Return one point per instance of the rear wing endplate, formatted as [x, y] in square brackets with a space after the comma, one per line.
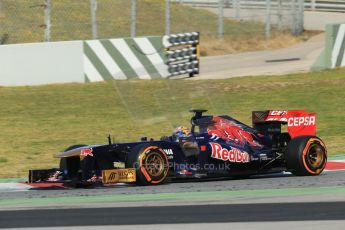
[299, 122]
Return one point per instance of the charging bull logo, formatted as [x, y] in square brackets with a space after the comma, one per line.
[86, 152]
[230, 131]
[232, 155]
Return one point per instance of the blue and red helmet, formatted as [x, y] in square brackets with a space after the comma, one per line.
[179, 132]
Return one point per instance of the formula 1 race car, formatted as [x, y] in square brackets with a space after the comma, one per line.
[215, 146]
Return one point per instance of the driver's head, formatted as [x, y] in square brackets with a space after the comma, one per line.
[179, 132]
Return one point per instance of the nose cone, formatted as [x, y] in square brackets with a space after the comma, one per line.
[82, 151]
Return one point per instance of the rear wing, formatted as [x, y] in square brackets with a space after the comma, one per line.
[299, 122]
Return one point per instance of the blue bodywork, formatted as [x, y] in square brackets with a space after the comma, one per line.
[218, 146]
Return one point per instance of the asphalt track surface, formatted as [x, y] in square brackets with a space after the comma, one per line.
[173, 215]
[273, 200]
[279, 181]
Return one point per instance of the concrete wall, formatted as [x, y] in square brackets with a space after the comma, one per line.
[41, 63]
[80, 61]
[333, 55]
[125, 58]
[83, 61]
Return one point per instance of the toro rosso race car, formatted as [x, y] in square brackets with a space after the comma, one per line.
[215, 146]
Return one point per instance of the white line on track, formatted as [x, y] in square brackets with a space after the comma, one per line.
[13, 186]
[282, 225]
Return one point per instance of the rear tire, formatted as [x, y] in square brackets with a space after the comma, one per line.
[151, 164]
[306, 156]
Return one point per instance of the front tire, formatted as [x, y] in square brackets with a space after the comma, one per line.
[306, 156]
[151, 164]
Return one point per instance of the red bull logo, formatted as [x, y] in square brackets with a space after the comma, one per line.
[232, 155]
[86, 152]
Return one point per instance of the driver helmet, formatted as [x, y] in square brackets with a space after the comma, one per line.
[179, 132]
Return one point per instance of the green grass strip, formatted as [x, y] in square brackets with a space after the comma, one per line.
[182, 196]
[9, 180]
[337, 157]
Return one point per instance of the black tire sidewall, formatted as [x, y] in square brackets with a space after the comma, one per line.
[134, 161]
[295, 159]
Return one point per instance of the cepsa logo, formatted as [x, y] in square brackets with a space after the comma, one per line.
[302, 121]
[232, 155]
[86, 152]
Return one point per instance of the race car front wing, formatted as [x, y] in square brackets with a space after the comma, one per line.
[109, 176]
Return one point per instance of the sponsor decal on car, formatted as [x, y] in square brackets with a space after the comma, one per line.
[277, 115]
[230, 131]
[263, 157]
[232, 155]
[169, 153]
[302, 121]
[277, 112]
[119, 165]
[86, 152]
[299, 122]
[118, 176]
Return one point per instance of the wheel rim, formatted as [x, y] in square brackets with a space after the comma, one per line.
[154, 164]
[315, 156]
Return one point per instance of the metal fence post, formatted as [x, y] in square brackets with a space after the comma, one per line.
[238, 9]
[93, 9]
[313, 5]
[133, 18]
[227, 4]
[268, 19]
[0, 8]
[221, 19]
[47, 23]
[280, 14]
[167, 17]
[300, 24]
[293, 17]
[1, 35]
[298, 10]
